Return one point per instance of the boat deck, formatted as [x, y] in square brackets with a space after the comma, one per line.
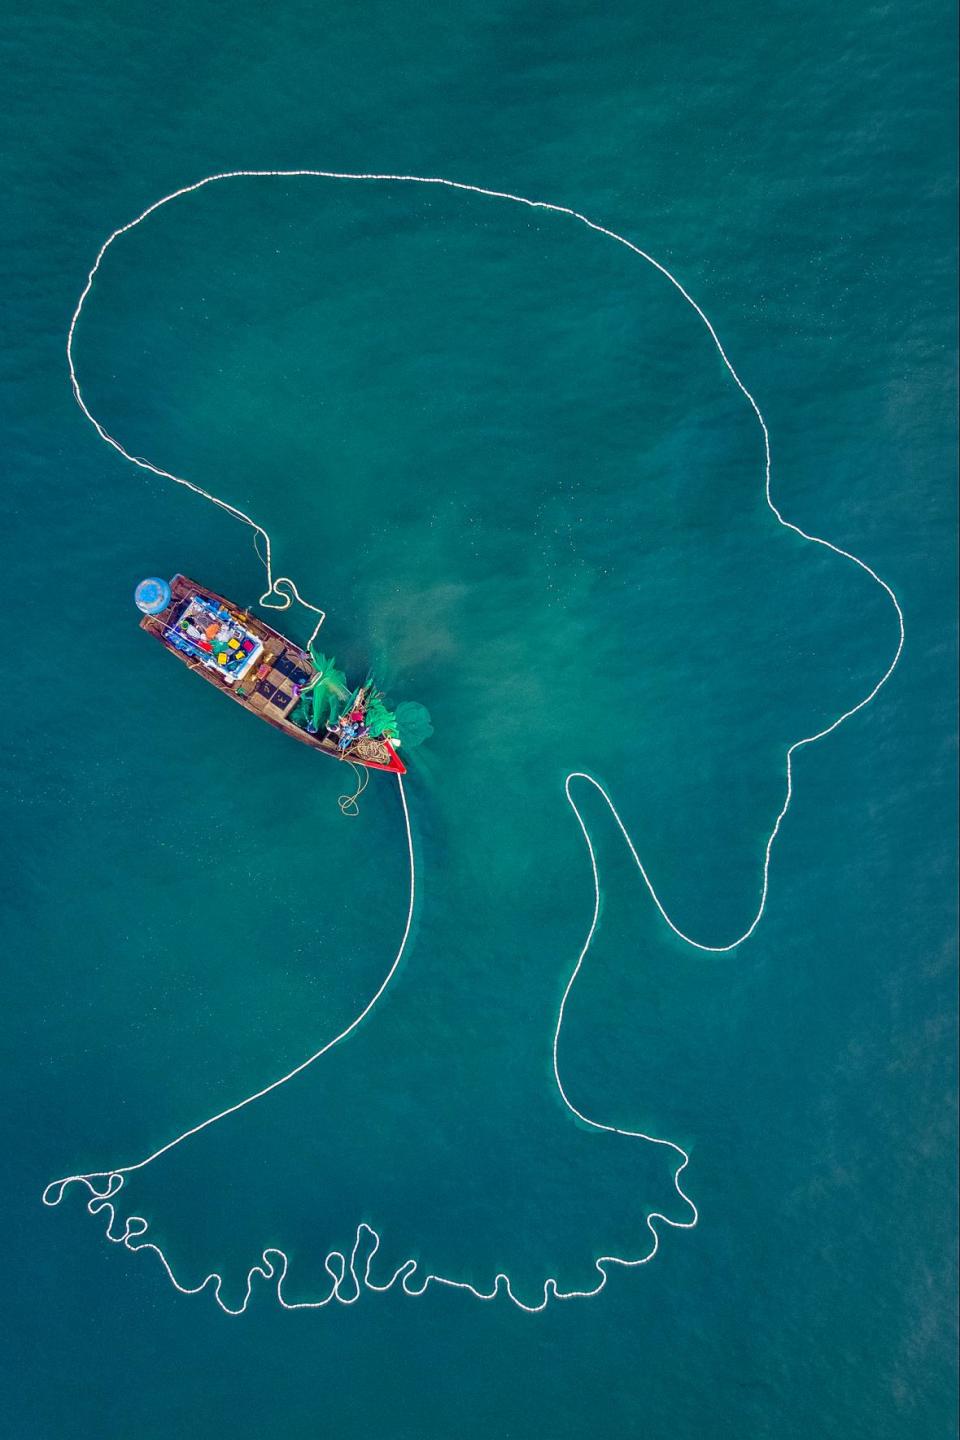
[267, 688]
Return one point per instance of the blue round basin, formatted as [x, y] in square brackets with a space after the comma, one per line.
[152, 595]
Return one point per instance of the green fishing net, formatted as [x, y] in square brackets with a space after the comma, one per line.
[327, 697]
[413, 723]
[378, 719]
[322, 700]
[329, 674]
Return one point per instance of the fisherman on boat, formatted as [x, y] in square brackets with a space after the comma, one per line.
[349, 734]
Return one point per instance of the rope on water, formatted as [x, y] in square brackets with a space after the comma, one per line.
[348, 1276]
[348, 803]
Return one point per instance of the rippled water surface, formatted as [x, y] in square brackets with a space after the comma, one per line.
[505, 456]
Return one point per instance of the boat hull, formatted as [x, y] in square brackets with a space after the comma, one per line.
[268, 691]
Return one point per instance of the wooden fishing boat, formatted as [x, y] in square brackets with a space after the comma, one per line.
[256, 667]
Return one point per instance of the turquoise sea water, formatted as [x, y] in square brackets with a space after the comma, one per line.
[505, 457]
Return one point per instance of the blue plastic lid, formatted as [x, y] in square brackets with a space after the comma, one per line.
[152, 595]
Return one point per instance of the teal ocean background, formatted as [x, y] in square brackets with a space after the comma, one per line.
[505, 457]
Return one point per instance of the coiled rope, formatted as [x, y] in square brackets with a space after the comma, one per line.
[348, 803]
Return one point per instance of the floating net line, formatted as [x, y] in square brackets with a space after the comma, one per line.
[349, 1276]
